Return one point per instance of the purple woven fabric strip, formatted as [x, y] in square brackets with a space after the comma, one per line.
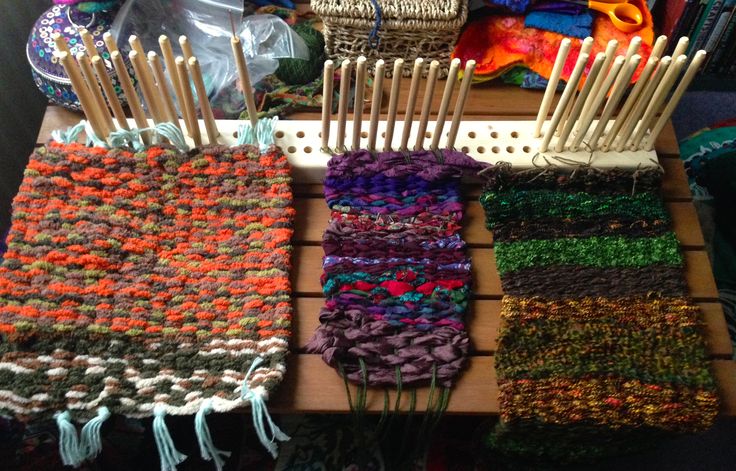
[396, 273]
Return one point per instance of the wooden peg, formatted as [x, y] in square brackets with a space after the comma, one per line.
[143, 74]
[327, 86]
[617, 93]
[110, 43]
[80, 89]
[100, 106]
[358, 101]
[60, 43]
[188, 102]
[445, 103]
[168, 53]
[186, 47]
[595, 103]
[618, 123]
[130, 94]
[411, 102]
[641, 103]
[595, 69]
[204, 101]
[434, 68]
[585, 48]
[554, 79]
[112, 98]
[658, 47]
[570, 88]
[89, 43]
[462, 98]
[342, 105]
[393, 104]
[681, 48]
[244, 76]
[687, 79]
[163, 89]
[136, 45]
[376, 101]
[634, 46]
[610, 53]
[658, 99]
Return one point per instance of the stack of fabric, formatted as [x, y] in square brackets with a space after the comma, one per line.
[600, 348]
[145, 284]
[397, 276]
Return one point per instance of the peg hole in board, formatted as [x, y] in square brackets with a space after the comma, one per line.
[291, 149]
[235, 134]
[364, 135]
[427, 135]
[465, 149]
[471, 135]
[494, 135]
[514, 134]
[279, 134]
[481, 150]
[308, 150]
[510, 149]
[526, 149]
[383, 134]
[320, 134]
[495, 149]
[300, 134]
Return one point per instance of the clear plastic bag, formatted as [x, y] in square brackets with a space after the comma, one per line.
[207, 24]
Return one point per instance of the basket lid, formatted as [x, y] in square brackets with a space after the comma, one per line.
[391, 9]
[66, 21]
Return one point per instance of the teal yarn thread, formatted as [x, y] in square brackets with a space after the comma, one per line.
[204, 438]
[92, 137]
[300, 71]
[245, 134]
[261, 417]
[70, 135]
[68, 442]
[91, 444]
[132, 137]
[172, 132]
[169, 455]
[263, 136]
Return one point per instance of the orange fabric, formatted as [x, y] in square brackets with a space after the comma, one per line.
[498, 43]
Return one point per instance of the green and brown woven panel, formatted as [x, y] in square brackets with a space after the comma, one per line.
[600, 349]
[146, 283]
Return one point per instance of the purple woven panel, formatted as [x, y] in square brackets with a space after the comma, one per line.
[396, 273]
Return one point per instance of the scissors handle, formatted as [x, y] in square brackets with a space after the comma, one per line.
[624, 16]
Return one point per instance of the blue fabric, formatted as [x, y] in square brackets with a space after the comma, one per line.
[577, 26]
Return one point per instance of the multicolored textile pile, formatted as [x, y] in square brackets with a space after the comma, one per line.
[144, 284]
[600, 346]
[397, 276]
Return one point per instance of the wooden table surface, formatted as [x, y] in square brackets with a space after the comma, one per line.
[312, 386]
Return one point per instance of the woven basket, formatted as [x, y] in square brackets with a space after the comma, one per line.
[408, 29]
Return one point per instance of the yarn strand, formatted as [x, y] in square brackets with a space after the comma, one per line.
[168, 454]
[206, 445]
[69, 449]
[91, 442]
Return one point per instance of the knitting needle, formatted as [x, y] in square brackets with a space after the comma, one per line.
[81, 90]
[445, 103]
[411, 102]
[168, 103]
[112, 96]
[327, 85]
[204, 101]
[617, 93]
[646, 95]
[657, 100]
[393, 104]
[99, 100]
[462, 98]
[193, 127]
[244, 76]
[630, 102]
[131, 96]
[597, 89]
[570, 88]
[585, 48]
[60, 43]
[89, 43]
[595, 69]
[168, 53]
[587, 120]
[658, 47]
[143, 74]
[358, 101]
[434, 68]
[376, 101]
[112, 46]
[687, 79]
[186, 47]
[342, 104]
[554, 79]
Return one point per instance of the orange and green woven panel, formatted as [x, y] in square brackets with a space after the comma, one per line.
[600, 349]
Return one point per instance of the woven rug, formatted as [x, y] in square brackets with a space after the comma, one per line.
[144, 284]
[396, 273]
[600, 349]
